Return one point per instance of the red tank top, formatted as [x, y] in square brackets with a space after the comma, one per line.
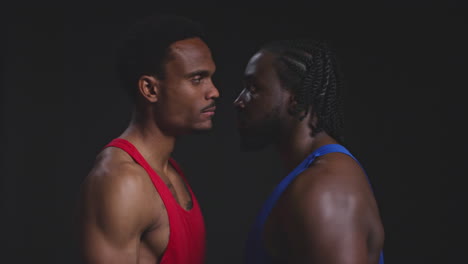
[187, 229]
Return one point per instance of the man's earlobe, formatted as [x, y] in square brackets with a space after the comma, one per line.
[295, 109]
[148, 86]
[292, 105]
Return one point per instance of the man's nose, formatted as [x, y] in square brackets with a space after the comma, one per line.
[240, 102]
[213, 92]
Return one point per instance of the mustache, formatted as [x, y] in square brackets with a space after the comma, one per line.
[213, 104]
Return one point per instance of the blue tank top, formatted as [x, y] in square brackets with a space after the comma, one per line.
[255, 250]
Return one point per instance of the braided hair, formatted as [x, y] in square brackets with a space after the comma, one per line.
[308, 68]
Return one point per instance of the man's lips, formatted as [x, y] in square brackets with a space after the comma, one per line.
[211, 109]
[241, 120]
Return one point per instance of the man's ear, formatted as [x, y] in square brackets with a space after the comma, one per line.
[294, 108]
[292, 104]
[148, 86]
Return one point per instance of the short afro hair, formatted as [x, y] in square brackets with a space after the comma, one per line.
[144, 48]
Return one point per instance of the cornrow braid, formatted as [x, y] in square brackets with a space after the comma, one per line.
[308, 68]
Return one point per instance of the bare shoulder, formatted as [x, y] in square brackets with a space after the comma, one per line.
[114, 170]
[333, 213]
[334, 185]
[117, 186]
[334, 173]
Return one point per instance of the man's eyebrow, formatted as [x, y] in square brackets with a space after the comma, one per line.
[202, 73]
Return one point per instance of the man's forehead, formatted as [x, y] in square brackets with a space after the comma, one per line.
[189, 48]
[259, 63]
[191, 55]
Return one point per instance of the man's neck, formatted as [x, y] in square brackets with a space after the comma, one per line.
[151, 142]
[298, 144]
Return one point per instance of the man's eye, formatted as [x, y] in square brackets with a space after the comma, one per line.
[197, 80]
[251, 89]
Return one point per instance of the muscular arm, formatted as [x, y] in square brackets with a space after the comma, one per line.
[112, 217]
[328, 226]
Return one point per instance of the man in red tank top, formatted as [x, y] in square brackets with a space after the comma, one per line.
[136, 205]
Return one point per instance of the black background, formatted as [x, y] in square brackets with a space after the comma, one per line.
[405, 65]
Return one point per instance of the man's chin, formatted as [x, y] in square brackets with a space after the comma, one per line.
[202, 129]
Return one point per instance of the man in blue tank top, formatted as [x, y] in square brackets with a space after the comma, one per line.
[324, 211]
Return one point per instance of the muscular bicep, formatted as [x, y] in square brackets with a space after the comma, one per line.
[111, 220]
[329, 229]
